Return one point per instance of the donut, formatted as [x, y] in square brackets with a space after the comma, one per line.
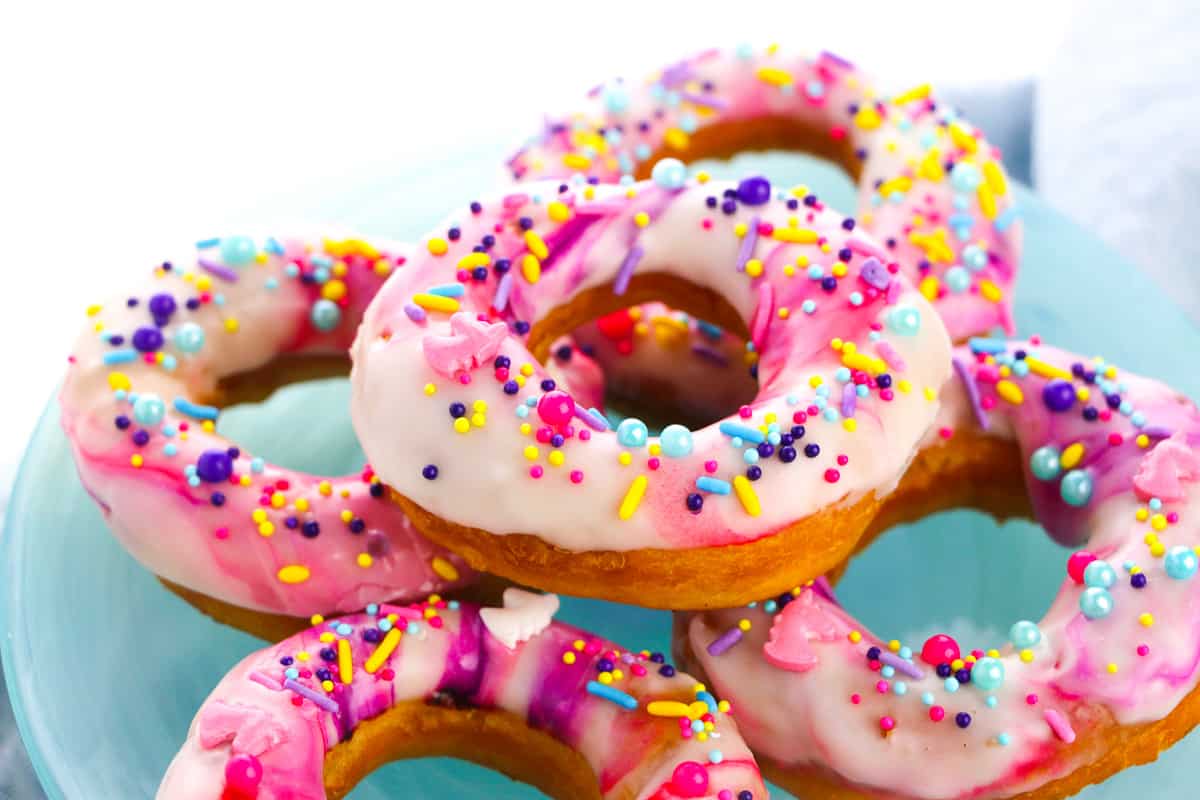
[540, 491]
[1107, 462]
[227, 323]
[930, 186]
[542, 701]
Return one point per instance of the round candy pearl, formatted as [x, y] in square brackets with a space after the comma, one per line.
[1024, 634]
[214, 466]
[939, 649]
[243, 773]
[1076, 488]
[988, 674]
[957, 279]
[1095, 603]
[904, 320]
[669, 173]
[149, 409]
[974, 257]
[754, 191]
[325, 315]
[1180, 562]
[147, 339]
[632, 432]
[690, 779]
[1077, 563]
[237, 251]
[965, 177]
[616, 97]
[556, 407]
[190, 337]
[1058, 395]
[1100, 575]
[162, 305]
[1044, 463]
[676, 441]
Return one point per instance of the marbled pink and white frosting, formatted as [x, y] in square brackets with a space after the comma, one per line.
[646, 730]
[850, 356]
[1112, 464]
[191, 505]
[931, 187]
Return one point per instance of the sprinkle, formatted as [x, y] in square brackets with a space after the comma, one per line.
[774, 76]
[795, 235]
[849, 399]
[414, 312]
[383, 651]
[612, 694]
[964, 374]
[762, 315]
[448, 290]
[122, 356]
[749, 434]
[707, 483]
[1042, 369]
[704, 101]
[725, 641]
[745, 493]
[1010, 392]
[433, 302]
[916, 93]
[444, 569]
[592, 418]
[264, 680]
[1005, 219]
[746, 248]
[625, 272]
[901, 665]
[994, 176]
[293, 573]
[318, 700]
[503, 287]
[471, 261]
[217, 270]
[980, 344]
[990, 291]
[668, 708]
[633, 497]
[345, 663]
[185, 406]
[889, 354]
[531, 268]
[536, 245]
[1059, 725]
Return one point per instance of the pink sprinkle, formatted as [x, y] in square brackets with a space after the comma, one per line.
[706, 223]
[886, 724]
[585, 435]
[887, 395]
[1059, 725]
[1143, 650]
[882, 687]
[745, 412]
[536, 471]
[710, 467]
[937, 713]
[1116, 439]
[843, 460]
[832, 475]
[1031, 699]
[653, 462]
[799, 418]
[576, 476]
[1173, 517]
[222, 532]
[435, 622]
[638, 670]
[464, 379]
[945, 432]
[856, 698]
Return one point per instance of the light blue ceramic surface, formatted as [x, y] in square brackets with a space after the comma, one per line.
[106, 668]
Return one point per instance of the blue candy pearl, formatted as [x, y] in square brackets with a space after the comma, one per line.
[974, 257]
[237, 251]
[1095, 603]
[904, 320]
[958, 279]
[1024, 634]
[632, 432]
[616, 98]
[149, 409]
[190, 337]
[325, 315]
[669, 173]
[988, 674]
[1044, 463]
[1180, 562]
[676, 441]
[965, 177]
[1076, 488]
[1099, 574]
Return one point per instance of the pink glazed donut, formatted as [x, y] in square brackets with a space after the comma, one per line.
[507, 687]
[931, 187]
[1104, 681]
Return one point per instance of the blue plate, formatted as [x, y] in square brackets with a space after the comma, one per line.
[106, 668]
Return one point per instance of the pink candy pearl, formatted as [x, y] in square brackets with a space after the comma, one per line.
[556, 408]
[939, 649]
[243, 773]
[690, 779]
[1077, 563]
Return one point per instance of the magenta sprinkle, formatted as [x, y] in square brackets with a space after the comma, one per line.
[415, 312]
[964, 374]
[500, 301]
[836, 59]
[318, 699]
[218, 270]
[900, 665]
[725, 641]
[890, 355]
[704, 100]
[1058, 723]
[265, 680]
[747, 247]
[849, 399]
[626, 271]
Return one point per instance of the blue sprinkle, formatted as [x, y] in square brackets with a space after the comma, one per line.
[448, 290]
[707, 483]
[372, 608]
[185, 406]
[273, 247]
[123, 356]
[1005, 219]
[612, 694]
[989, 346]
[709, 701]
[744, 432]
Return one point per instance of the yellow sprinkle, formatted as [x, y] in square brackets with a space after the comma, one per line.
[383, 651]
[855, 637]
[559, 211]
[473, 260]
[461, 425]
[930, 286]
[556, 458]
[266, 530]
[667, 708]
[723, 706]
[430, 389]
[1071, 456]
[94, 309]
[605, 677]
[526, 429]
[1146, 620]
[963, 139]
[864, 362]
[850, 424]
[136, 460]
[438, 246]
[576, 161]
[676, 139]
[745, 493]
[444, 569]
[993, 653]
[1112, 668]
[568, 657]
[995, 178]
[293, 573]
[1026, 656]
[325, 488]
[365, 560]
[633, 497]
[346, 515]
[345, 664]
[868, 118]
[916, 93]
[1143, 441]
[1010, 392]
[754, 268]
[774, 76]
[625, 459]
[641, 219]
[987, 200]
[901, 184]
[316, 619]
[931, 168]
[435, 302]
[333, 290]
[795, 235]
[784, 313]
[531, 452]
[1042, 369]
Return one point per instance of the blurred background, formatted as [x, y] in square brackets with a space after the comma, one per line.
[129, 128]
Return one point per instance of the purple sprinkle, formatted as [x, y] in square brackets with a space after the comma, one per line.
[676, 74]
[415, 312]
[264, 680]
[849, 399]
[964, 374]
[1157, 432]
[592, 418]
[318, 699]
[747, 247]
[626, 271]
[704, 100]
[500, 301]
[836, 59]
[875, 273]
[901, 665]
[725, 641]
[715, 356]
[219, 270]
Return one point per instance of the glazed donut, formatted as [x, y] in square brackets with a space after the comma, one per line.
[540, 491]
[224, 324]
[508, 688]
[931, 187]
[1106, 680]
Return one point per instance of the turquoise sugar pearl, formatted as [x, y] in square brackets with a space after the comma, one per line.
[325, 315]
[965, 177]
[1076, 488]
[632, 432]
[988, 674]
[1099, 574]
[1024, 634]
[1044, 463]
[958, 279]
[190, 337]
[149, 409]
[1180, 562]
[1095, 603]
[669, 173]
[904, 320]
[237, 251]
[974, 257]
[676, 441]
[616, 97]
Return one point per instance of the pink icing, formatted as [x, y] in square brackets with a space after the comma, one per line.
[469, 346]
[1163, 472]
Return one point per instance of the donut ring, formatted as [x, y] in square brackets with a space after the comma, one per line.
[1106, 680]
[573, 513]
[508, 688]
[931, 187]
[226, 324]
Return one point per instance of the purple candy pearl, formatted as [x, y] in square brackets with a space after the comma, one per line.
[147, 339]
[1058, 395]
[754, 191]
[214, 466]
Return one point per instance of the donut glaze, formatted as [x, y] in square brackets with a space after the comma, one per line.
[931, 187]
[849, 359]
[140, 408]
[1111, 463]
[275, 726]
